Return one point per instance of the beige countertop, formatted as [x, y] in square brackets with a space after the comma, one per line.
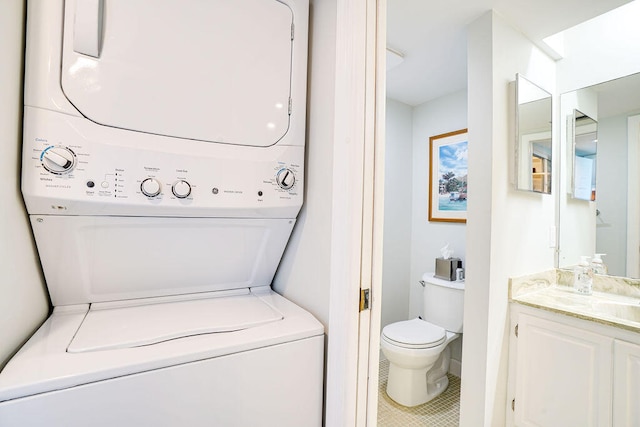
[615, 300]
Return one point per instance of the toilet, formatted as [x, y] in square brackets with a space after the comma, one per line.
[418, 349]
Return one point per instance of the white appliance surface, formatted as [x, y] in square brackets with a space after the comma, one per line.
[197, 109]
[163, 170]
[125, 324]
[44, 364]
[90, 259]
[267, 387]
[110, 165]
[266, 376]
[121, 212]
[246, 70]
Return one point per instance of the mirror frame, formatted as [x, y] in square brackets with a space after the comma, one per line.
[524, 172]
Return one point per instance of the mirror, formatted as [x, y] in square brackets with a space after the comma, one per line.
[585, 141]
[533, 137]
[609, 113]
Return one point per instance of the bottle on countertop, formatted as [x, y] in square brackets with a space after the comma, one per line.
[583, 277]
[597, 265]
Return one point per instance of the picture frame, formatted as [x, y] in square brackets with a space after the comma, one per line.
[448, 168]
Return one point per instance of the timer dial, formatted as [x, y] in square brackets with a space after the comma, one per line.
[150, 187]
[285, 178]
[58, 160]
[181, 189]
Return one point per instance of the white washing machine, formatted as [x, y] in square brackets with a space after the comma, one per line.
[163, 172]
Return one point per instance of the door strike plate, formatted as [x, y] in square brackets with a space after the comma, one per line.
[364, 299]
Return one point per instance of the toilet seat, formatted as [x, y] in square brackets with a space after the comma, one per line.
[415, 334]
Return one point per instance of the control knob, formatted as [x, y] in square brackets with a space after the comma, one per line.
[150, 187]
[58, 160]
[285, 178]
[181, 189]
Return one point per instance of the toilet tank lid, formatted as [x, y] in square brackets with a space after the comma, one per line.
[430, 278]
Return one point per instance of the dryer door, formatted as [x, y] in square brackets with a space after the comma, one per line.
[204, 70]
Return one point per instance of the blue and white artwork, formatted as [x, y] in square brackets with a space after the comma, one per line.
[448, 155]
[452, 172]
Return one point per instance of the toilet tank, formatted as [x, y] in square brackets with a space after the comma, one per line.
[443, 302]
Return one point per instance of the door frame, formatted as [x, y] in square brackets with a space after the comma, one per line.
[356, 231]
[373, 214]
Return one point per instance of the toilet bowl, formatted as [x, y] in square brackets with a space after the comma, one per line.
[419, 358]
[418, 349]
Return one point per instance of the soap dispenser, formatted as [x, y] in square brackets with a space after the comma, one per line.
[597, 265]
[583, 277]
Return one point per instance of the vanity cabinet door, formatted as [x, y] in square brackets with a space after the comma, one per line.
[626, 384]
[563, 375]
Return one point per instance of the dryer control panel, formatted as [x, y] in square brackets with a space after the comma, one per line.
[141, 174]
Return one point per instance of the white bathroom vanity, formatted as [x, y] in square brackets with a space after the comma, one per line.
[574, 360]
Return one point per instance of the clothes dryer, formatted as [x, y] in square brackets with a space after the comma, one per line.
[163, 170]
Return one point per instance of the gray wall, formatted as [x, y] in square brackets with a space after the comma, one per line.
[397, 213]
[304, 272]
[611, 193]
[24, 303]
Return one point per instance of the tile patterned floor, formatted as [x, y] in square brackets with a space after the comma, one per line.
[443, 411]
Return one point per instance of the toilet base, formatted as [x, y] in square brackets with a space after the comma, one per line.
[413, 387]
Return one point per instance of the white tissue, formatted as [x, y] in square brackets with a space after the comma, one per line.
[446, 252]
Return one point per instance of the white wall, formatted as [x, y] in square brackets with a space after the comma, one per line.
[397, 212]
[441, 115]
[507, 230]
[24, 303]
[304, 272]
[611, 193]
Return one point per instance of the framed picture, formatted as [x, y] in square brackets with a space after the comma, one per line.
[448, 177]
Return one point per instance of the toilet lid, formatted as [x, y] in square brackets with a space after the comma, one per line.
[415, 333]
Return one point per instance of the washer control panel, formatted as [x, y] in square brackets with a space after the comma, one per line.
[65, 174]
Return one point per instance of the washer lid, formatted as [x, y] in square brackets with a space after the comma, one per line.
[230, 70]
[415, 333]
[143, 322]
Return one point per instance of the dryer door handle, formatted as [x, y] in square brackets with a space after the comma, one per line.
[87, 27]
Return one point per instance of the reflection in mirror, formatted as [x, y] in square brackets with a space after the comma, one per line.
[533, 137]
[611, 224]
[585, 140]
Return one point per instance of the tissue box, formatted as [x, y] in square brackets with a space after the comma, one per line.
[446, 268]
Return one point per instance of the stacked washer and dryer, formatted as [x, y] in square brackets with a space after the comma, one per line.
[163, 172]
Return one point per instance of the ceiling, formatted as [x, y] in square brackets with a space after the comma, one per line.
[431, 34]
